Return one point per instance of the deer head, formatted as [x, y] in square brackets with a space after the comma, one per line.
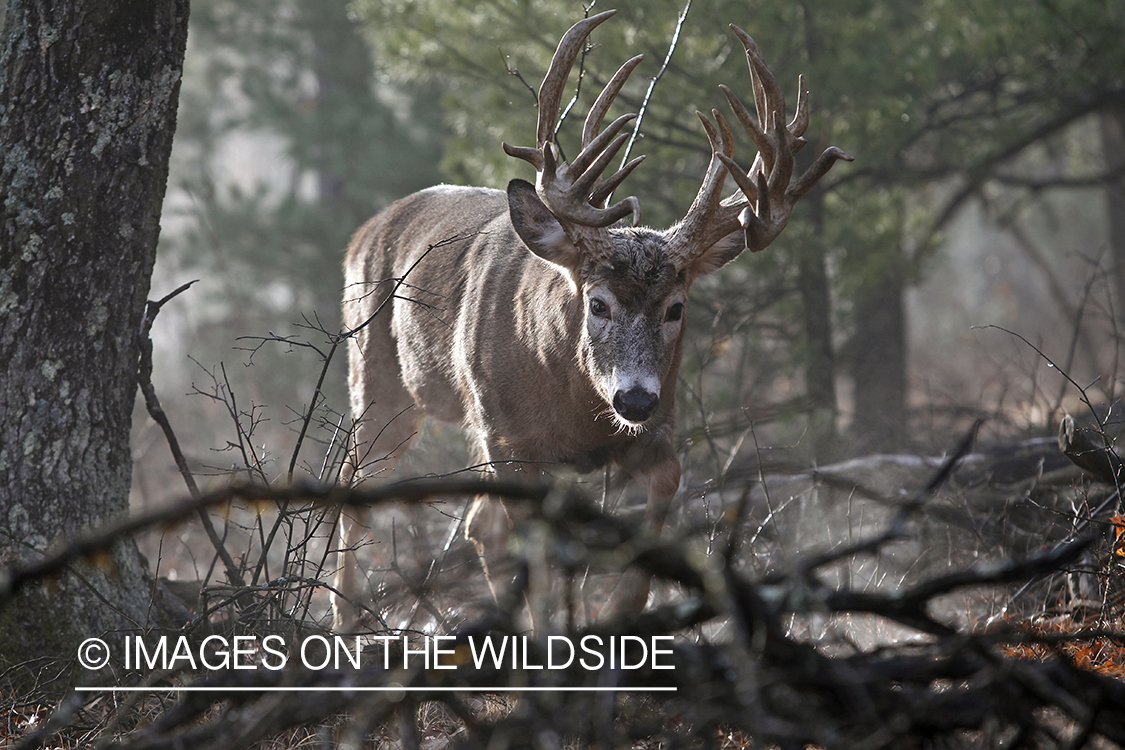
[633, 282]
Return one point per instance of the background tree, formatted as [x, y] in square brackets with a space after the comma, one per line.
[88, 94]
[1113, 145]
[298, 76]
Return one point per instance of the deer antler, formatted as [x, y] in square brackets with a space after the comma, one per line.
[766, 196]
[575, 193]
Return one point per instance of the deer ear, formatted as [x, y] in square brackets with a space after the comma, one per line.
[718, 255]
[539, 229]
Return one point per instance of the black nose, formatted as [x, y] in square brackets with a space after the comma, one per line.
[635, 404]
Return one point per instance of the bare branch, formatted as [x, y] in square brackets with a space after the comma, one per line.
[156, 411]
[653, 81]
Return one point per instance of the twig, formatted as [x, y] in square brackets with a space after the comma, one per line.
[1075, 335]
[909, 606]
[1050, 363]
[652, 87]
[156, 411]
[516, 72]
[897, 528]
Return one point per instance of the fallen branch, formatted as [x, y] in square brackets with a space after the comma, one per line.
[1098, 459]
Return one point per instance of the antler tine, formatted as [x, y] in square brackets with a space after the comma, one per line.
[819, 168]
[768, 96]
[800, 122]
[605, 99]
[722, 144]
[600, 145]
[605, 189]
[593, 160]
[748, 187]
[747, 120]
[586, 180]
[533, 156]
[551, 90]
[756, 225]
[783, 156]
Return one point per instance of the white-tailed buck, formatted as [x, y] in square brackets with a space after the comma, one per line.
[532, 318]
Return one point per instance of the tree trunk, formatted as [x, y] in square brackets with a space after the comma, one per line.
[1113, 145]
[814, 287]
[879, 358]
[88, 94]
[820, 360]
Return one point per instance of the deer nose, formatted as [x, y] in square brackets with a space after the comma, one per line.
[635, 404]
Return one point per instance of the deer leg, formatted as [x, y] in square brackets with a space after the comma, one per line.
[488, 526]
[631, 592]
[345, 614]
[344, 583]
[383, 430]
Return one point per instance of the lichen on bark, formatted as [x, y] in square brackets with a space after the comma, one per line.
[88, 93]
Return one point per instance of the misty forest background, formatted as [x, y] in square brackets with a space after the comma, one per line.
[987, 199]
[987, 191]
[968, 266]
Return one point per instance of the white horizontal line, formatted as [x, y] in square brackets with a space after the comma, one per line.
[362, 689]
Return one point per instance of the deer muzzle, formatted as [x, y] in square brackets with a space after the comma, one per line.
[636, 404]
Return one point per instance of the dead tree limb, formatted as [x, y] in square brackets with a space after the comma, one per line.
[1094, 457]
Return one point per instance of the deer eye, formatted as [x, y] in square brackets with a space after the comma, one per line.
[598, 308]
[675, 312]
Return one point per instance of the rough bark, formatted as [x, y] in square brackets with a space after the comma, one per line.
[88, 94]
